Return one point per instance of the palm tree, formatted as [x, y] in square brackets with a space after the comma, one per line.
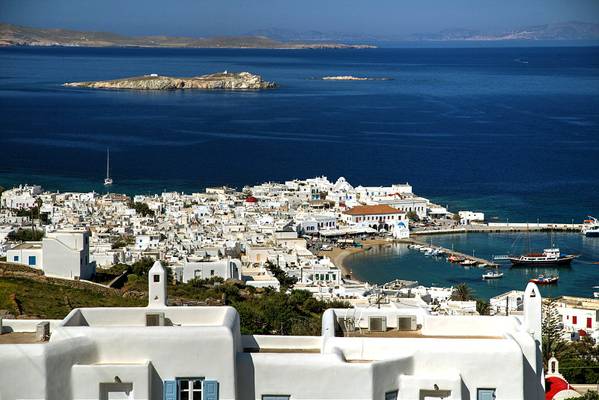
[482, 307]
[462, 292]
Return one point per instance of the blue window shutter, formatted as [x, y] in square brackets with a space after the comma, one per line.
[170, 390]
[210, 390]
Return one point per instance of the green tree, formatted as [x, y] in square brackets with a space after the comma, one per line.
[579, 362]
[552, 332]
[462, 292]
[142, 208]
[26, 235]
[123, 241]
[142, 267]
[590, 395]
[413, 216]
[483, 307]
[285, 280]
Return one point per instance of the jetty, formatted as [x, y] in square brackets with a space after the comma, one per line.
[450, 252]
[492, 227]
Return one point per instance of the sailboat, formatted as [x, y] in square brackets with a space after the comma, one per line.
[108, 179]
[549, 257]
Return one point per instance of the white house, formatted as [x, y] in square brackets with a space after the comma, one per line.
[66, 255]
[227, 268]
[468, 217]
[377, 216]
[507, 303]
[61, 254]
[28, 253]
[147, 242]
[21, 197]
[579, 313]
[173, 353]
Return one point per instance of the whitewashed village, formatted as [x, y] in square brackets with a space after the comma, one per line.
[298, 227]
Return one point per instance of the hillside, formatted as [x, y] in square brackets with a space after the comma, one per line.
[14, 35]
[26, 293]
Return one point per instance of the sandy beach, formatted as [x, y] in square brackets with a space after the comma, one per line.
[338, 255]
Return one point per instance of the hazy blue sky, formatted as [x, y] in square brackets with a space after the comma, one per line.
[228, 17]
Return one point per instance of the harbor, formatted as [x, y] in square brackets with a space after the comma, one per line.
[382, 264]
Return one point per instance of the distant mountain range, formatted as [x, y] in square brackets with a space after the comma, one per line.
[14, 35]
[572, 30]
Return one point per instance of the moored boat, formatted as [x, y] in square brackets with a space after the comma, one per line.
[455, 259]
[590, 227]
[547, 257]
[493, 275]
[544, 280]
[468, 263]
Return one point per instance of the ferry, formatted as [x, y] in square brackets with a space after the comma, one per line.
[548, 257]
[493, 275]
[590, 227]
[543, 280]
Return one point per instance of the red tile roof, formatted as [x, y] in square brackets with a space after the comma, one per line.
[373, 210]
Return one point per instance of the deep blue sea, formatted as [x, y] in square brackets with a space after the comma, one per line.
[513, 132]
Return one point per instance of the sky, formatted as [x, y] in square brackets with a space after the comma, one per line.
[234, 17]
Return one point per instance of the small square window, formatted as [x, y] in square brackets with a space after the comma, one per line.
[156, 278]
[391, 395]
[485, 394]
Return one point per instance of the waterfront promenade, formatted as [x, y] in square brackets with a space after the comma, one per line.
[498, 227]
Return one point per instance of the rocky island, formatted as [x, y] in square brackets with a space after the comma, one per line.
[218, 81]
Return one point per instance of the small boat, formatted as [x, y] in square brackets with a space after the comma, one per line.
[414, 246]
[596, 294]
[493, 275]
[544, 280]
[468, 263]
[590, 227]
[547, 257]
[455, 259]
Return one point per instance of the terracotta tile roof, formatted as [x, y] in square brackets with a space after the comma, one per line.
[373, 210]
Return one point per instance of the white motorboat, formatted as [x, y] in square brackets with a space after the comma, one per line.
[493, 275]
[590, 227]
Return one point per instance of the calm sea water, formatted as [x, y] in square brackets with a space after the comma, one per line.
[385, 263]
[509, 131]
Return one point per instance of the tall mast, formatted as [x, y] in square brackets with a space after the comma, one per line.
[107, 163]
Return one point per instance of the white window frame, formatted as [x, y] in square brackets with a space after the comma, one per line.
[194, 392]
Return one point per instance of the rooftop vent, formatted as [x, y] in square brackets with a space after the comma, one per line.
[155, 319]
[406, 323]
[42, 331]
[377, 324]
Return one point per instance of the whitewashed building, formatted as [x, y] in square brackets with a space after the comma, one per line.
[192, 353]
[579, 313]
[227, 268]
[61, 254]
[376, 217]
[21, 197]
[468, 217]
